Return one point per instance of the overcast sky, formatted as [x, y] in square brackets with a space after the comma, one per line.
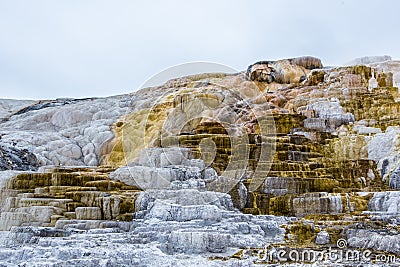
[82, 48]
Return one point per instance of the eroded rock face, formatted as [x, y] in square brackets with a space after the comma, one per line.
[189, 221]
[188, 175]
[12, 158]
[261, 72]
[283, 71]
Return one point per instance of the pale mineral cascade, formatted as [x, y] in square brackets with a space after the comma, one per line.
[207, 170]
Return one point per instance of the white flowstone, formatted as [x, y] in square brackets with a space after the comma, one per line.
[63, 132]
[327, 115]
[392, 66]
[372, 83]
[77, 248]
[10, 219]
[366, 130]
[329, 110]
[88, 213]
[372, 239]
[322, 238]
[68, 117]
[71, 151]
[90, 160]
[384, 148]
[384, 144]
[168, 212]
[185, 197]
[197, 242]
[161, 157]
[316, 203]
[5, 176]
[145, 177]
[88, 149]
[40, 213]
[387, 202]
[158, 168]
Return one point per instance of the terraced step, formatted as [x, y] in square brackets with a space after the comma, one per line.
[298, 174]
[29, 202]
[65, 190]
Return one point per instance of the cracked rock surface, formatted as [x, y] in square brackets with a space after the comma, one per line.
[175, 175]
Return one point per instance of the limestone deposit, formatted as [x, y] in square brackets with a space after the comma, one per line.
[207, 170]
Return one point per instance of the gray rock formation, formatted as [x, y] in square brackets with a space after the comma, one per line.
[283, 71]
[176, 191]
[188, 226]
[12, 158]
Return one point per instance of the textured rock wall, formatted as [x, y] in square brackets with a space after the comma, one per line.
[324, 130]
[64, 132]
[189, 169]
[44, 198]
